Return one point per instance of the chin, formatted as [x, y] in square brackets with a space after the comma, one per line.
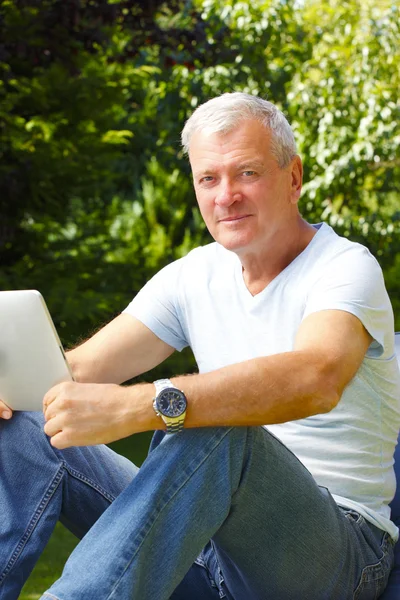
[234, 243]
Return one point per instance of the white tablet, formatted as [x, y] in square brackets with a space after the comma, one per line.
[32, 359]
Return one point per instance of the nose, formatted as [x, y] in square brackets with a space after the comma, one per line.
[227, 194]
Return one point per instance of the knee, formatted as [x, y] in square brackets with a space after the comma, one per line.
[229, 444]
[23, 435]
[197, 436]
[23, 423]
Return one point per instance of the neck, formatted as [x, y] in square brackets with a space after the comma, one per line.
[260, 268]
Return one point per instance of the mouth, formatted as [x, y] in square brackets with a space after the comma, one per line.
[233, 219]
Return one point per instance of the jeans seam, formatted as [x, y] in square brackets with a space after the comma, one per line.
[158, 511]
[375, 567]
[221, 579]
[33, 522]
[90, 482]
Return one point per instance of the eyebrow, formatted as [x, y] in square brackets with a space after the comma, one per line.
[244, 166]
[204, 172]
[254, 164]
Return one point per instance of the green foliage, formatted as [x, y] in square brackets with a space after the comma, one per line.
[90, 266]
[95, 192]
[348, 101]
[344, 107]
[71, 85]
[84, 206]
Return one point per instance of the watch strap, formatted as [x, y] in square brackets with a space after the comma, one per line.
[162, 384]
[173, 424]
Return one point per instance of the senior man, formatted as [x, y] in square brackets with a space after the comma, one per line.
[270, 473]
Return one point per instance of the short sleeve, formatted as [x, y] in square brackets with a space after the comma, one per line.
[157, 306]
[353, 282]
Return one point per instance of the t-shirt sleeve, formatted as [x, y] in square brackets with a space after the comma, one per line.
[156, 306]
[354, 282]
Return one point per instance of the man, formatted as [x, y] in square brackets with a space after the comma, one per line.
[292, 329]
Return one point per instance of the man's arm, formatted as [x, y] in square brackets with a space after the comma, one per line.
[329, 348]
[119, 351]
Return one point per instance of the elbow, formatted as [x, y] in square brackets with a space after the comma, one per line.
[326, 403]
[326, 390]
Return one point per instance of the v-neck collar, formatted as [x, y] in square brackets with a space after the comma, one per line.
[239, 269]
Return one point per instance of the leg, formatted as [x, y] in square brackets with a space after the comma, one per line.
[39, 485]
[274, 532]
[285, 538]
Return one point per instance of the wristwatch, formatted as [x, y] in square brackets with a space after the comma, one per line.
[170, 404]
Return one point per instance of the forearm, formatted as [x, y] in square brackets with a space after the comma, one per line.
[264, 390]
[260, 391]
[120, 351]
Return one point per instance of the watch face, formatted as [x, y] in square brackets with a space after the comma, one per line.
[171, 402]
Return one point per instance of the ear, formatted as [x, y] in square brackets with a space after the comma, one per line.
[296, 169]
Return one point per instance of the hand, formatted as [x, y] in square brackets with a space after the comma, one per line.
[84, 414]
[5, 411]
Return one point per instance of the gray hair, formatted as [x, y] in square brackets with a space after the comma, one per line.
[223, 113]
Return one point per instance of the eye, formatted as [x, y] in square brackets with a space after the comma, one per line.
[248, 173]
[206, 180]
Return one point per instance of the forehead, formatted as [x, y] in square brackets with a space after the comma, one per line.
[250, 140]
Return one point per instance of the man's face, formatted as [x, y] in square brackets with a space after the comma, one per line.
[245, 198]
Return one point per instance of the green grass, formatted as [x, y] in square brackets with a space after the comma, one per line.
[50, 565]
[62, 542]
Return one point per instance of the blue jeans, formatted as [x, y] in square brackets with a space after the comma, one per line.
[212, 513]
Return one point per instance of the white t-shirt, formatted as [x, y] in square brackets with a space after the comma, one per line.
[202, 301]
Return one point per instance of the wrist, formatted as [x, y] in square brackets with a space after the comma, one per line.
[170, 404]
[137, 408]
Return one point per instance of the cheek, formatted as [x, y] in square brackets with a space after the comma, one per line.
[205, 204]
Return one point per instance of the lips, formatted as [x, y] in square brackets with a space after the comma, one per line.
[233, 218]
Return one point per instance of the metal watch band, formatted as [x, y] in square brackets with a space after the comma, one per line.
[173, 425]
[162, 384]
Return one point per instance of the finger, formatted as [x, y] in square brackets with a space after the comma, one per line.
[60, 405]
[50, 396]
[60, 441]
[52, 427]
[62, 389]
[5, 411]
[50, 411]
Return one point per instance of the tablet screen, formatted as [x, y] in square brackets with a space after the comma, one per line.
[32, 358]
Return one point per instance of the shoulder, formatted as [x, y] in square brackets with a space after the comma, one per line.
[346, 276]
[335, 253]
[187, 271]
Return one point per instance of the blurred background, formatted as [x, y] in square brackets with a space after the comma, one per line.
[95, 192]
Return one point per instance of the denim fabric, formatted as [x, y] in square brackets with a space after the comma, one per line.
[213, 513]
[40, 485]
[200, 583]
[392, 592]
[374, 577]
